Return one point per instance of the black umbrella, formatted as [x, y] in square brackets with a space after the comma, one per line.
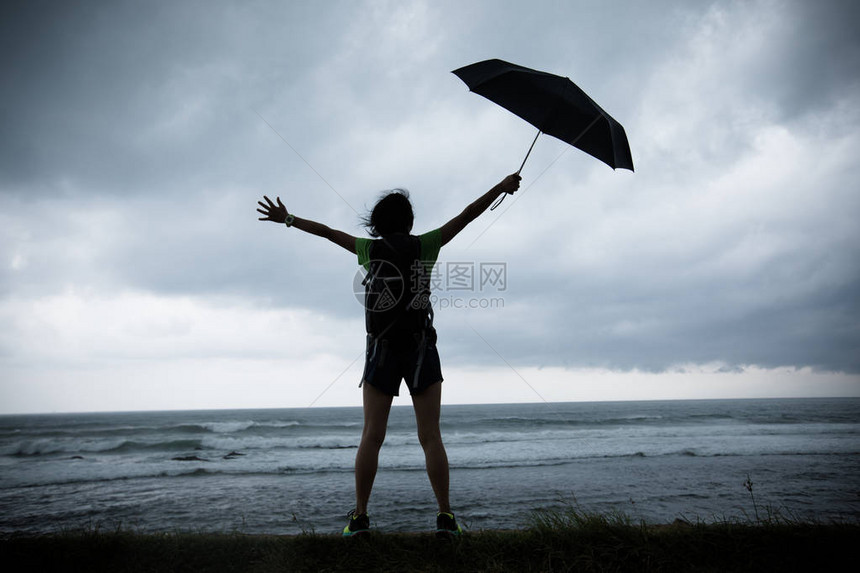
[554, 105]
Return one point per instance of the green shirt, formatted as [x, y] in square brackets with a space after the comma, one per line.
[431, 243]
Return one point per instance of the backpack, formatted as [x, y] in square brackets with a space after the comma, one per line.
[397, 289]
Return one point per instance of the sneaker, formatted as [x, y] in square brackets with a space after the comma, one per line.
[358, 524]
[447, 526]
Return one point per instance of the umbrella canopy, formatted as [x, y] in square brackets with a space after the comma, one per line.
[554, 105]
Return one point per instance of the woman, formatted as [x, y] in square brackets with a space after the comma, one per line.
[401, 339]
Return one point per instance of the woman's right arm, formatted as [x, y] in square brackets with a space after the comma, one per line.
[450, 229]
[337, 237]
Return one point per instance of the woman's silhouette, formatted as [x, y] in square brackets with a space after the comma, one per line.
[401, 339]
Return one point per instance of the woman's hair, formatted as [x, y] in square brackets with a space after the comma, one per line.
[391, 214]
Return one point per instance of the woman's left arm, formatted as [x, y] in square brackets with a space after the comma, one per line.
[278, 214]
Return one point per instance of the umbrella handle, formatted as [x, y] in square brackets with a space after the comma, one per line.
[529, 152]
[498, 201]
[502, 198]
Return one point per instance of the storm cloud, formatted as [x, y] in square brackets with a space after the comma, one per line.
[137, 138]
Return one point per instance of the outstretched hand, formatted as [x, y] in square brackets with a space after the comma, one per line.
[511, 183]
[275, 213]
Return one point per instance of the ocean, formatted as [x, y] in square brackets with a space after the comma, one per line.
[290, 470]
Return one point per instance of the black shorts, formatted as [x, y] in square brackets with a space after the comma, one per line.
[390, 360]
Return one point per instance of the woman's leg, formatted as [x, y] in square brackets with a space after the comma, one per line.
[377, 404]
[427, 410]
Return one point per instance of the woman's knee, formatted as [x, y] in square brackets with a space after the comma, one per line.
[373, 437]
[430, 437]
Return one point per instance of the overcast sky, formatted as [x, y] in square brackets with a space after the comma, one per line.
[138, 136]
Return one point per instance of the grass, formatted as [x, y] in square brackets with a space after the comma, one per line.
[566, 540]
